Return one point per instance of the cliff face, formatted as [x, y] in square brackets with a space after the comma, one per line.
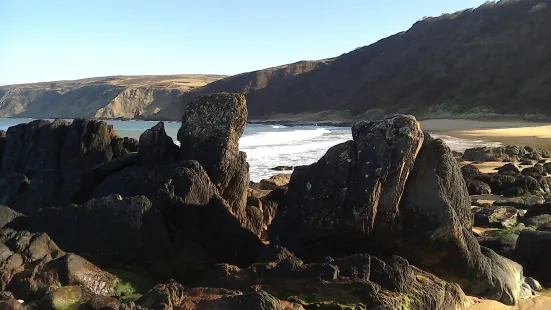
[109, 97]
[478, 62]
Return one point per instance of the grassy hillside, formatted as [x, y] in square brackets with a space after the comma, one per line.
[494, 60]
[109, 97]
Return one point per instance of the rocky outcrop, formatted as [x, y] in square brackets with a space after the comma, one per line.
[47, 162]
[156, 147]
[361, 197]
[210, 132]
[359, 279]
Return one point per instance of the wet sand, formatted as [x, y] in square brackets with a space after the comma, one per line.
[508, 133]
[537, 303]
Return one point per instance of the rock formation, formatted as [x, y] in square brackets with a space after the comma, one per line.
[392, 190]
[210, 132]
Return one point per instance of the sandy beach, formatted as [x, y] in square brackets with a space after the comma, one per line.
[507, 132]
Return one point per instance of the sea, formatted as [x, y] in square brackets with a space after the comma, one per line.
[268, 146]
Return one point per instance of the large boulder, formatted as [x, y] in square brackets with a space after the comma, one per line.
[380, 195]
[476, 187]
[350, 196]
[210, 132]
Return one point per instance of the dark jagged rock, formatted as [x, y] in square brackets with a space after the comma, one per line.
[87, 144]
[210, 132]
[436, 227]
[331, 207]
[495, 216]
[48, 162]
[533, 249]
[335, 205]
[185, 182]
[7, 215]
[358, 279]
[156, 147]
[113, 228]
[476, 187]
[192, 208]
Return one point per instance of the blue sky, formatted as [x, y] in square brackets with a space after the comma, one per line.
[45, 40]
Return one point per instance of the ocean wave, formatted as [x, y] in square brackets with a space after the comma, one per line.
[280, 137]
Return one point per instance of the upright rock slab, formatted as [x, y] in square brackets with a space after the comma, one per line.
[156, 147]
[347, 202]
[210, 132]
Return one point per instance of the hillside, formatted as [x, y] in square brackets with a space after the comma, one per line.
[490, 61]
[107, 97]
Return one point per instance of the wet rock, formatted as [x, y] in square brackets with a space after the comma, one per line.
[495, 216]
[210, 132]
[476, 187]
[532, 249]
[156, 147]
[7, 215]
[538, 209]
[523, 202]
[547, 167]
[282, 168]
[330, 209]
